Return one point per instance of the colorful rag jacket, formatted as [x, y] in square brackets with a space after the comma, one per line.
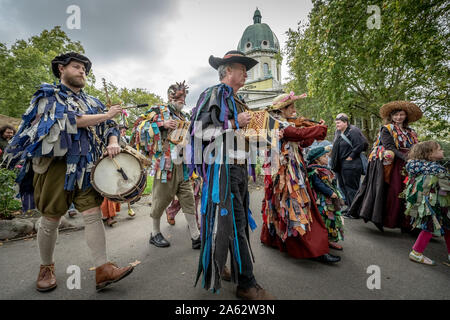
[323, 184]
[150, 137]
[427, 196]
[402, 139]
[216, 105]
[286, 208]
[49, 129]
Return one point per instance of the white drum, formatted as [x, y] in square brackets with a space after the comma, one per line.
[110, 183]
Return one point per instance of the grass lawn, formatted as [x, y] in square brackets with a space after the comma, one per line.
[148, 189]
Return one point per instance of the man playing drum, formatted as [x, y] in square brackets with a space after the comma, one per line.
[153, 133]
[57, 151]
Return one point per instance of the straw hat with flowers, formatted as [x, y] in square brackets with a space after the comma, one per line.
[285, 99]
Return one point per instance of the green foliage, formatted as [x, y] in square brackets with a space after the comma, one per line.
[149, 187]
[433, 130]
[128, 97]
[8, 203]
[278, 57]
[27, 64]
[258, 166]
[347, 67]
[445, 145]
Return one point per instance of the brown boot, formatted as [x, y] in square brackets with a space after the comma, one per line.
[226, 274]
[46, 279]
[109, 273]
[254, 293]
[110, 222]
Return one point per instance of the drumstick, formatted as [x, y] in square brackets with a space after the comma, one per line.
[119, 169]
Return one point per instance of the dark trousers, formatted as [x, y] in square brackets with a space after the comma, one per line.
[239, 188]
[349, 178]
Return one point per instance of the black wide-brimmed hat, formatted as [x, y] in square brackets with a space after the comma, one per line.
[233, 57]
[65, 59]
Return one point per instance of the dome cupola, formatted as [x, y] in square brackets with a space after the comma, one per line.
[258, 36]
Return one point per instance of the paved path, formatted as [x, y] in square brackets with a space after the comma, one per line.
[169, 273]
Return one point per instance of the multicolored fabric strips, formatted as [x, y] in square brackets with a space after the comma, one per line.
[218, 225]
[427, 195]
[330, 209]
[287, 207]
[400, 138]
[148, 136]
[49, 129]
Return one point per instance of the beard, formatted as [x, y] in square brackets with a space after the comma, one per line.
[178, 105]
[76, 81]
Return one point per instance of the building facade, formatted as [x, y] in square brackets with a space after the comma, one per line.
[264, 80]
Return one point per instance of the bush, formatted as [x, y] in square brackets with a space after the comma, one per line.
[445, 145]
[149, 187]
[8, 203]
[258, 166]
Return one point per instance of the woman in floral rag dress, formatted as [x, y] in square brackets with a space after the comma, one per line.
[291, 220]
[378, 199]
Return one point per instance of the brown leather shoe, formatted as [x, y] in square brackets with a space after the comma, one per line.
[109, 273]
[110, 222]
[226, 274]
[254, 293]
[46, 279]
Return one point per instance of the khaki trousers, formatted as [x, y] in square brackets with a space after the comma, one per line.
[163, 193]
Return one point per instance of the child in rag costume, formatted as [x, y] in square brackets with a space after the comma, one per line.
[328, 198]
[427, 197]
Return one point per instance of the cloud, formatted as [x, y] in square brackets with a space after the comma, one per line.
[110, 29]
[151, 44]
[204, 78]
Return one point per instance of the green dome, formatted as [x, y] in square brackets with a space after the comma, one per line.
[258, 36]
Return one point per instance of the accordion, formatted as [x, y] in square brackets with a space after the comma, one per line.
[260, 127]
[179, 134]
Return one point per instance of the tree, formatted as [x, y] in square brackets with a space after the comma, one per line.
[127, 97]
[27, 64]
[8, 203]
[348, 67]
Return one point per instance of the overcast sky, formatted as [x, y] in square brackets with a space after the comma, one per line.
[153, 43]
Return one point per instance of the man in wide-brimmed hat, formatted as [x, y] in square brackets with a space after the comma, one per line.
[225, 206]
[59, 151]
